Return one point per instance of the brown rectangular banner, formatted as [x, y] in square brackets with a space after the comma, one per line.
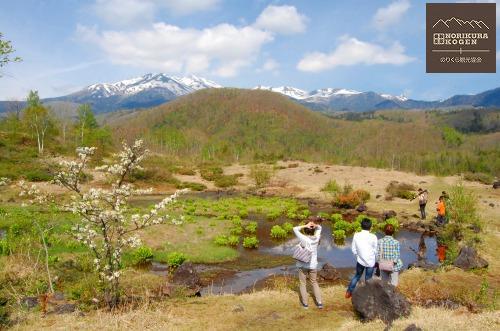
[461, 37]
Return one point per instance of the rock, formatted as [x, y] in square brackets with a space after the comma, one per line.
[238, 309]
[361, 208]
[388, 214]
[185, 281]
[492, 204]
[423, 264]
[29, 302]
[496, 184]
[328, 272]
[412, 327]
[446, 303]
[469, 259]
[378, 196]
[65, 308]
[59, 296]
[376, 299]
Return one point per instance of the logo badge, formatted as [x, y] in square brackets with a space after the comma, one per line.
[461, 37]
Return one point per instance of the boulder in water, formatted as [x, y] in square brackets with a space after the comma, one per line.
[469, 259]
[377, 299]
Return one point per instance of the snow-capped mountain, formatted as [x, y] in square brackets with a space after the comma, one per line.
[154, 89]
[340, 98]
[139, 92]
[291, 92]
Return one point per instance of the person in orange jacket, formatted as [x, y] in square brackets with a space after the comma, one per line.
[441, 210]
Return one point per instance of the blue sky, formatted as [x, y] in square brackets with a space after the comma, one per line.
[309, 44]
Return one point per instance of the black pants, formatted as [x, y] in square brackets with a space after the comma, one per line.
[422, 211]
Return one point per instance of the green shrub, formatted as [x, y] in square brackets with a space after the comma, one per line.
[336, 218]
[287, 226]
[233, 240]
[226, 181]
[392, 221]
[38, 175]
[243, 213]
[273, 215]
[339, 235]
[479, 177]
[236, 221]
[342, 225]
[221, 240]
[211, 173]
[142, 255]
[192, 186]
[185, 171]
[236, 230]
[452, 137]
[4, 247]
[261, 175]
[303, 214]
[175, 259]
[401, 190]
[277, 232]
[331, 187]
[354, 227]
[250, 242]
[251, 227]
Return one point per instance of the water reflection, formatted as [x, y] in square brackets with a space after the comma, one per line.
[341, 256]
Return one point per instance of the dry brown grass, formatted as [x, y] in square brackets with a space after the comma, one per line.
[435, 319]
[270, 310]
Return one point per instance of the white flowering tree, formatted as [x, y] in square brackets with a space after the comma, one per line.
[107, 227]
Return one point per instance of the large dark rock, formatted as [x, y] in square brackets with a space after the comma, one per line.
[496, 184]
[388, 214]
[362, 208]
[185, 281]
[328, 272]
[376, 299]
[412, 327]
[469, 259]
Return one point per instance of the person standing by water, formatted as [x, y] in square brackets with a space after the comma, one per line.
[422, 196]
[309, 240]
[389, 256]
[364, 248]
[441, 212]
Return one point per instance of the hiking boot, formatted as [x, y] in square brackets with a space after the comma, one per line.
[304, 305]
[319, 305]
[348, 295]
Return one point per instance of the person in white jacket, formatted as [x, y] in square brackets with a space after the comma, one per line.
[309, 240]
[364, 248]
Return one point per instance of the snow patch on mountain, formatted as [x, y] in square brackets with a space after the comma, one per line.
[177, 85]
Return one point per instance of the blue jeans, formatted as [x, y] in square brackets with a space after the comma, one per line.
[359, 271]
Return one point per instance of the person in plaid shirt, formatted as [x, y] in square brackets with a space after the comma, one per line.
[389, 249]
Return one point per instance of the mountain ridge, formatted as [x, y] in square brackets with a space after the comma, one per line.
[154, 89]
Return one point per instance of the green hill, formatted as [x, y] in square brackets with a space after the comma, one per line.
[231, 125]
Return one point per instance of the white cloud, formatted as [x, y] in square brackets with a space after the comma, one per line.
[390, 15]
[352, 51]
[127, 12]
[184, 7]
[223, 49]
[270, 65]
[124, 12]
[281, 19]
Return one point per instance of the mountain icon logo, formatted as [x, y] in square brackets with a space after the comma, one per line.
[457, 22]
